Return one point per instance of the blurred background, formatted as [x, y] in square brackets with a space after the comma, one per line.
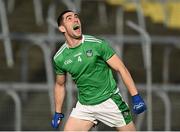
[145, 34]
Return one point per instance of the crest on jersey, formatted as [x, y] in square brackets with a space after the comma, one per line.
[125, 114]
[89, 53]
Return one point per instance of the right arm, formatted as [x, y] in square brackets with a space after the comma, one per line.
[59, 92]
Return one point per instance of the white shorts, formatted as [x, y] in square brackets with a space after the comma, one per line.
[113, 112]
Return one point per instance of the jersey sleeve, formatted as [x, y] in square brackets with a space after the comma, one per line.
[58, 70]
[106, 51]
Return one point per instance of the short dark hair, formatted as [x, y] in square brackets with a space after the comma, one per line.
[60, 17]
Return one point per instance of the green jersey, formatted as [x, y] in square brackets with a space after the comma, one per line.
[87, 65]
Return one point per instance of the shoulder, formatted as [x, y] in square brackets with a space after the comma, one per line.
[93, 39]
[60, 51]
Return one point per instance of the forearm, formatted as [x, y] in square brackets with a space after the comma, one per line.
[118, 66]
[59, 94]
[128, 81]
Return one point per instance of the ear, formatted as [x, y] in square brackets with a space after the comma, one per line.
[62, 29]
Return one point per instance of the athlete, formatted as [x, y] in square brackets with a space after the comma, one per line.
[89, 61]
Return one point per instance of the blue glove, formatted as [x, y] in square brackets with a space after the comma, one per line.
[56, 119]
[138, 104]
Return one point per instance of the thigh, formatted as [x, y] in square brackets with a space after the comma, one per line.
[114, 112]
[128, 127]
[75, 124]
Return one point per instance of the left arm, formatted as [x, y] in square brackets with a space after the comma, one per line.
[138, 104]
[116, 63]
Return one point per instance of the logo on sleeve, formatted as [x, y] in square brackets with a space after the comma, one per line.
[89, 53]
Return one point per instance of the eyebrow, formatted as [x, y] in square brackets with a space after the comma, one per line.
[68, 16]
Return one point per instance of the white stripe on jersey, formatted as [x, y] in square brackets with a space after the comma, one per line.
[60, 51]
[92, 39]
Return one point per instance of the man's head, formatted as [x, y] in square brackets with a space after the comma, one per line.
[69, 23]
[60, 17]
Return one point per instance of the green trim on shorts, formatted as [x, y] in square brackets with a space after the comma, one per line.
[123, 107]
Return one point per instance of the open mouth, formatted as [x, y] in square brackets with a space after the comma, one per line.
[76, 26]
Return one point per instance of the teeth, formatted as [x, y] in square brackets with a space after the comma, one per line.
[76, 26]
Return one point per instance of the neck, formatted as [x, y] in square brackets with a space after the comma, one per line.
[73, 42]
